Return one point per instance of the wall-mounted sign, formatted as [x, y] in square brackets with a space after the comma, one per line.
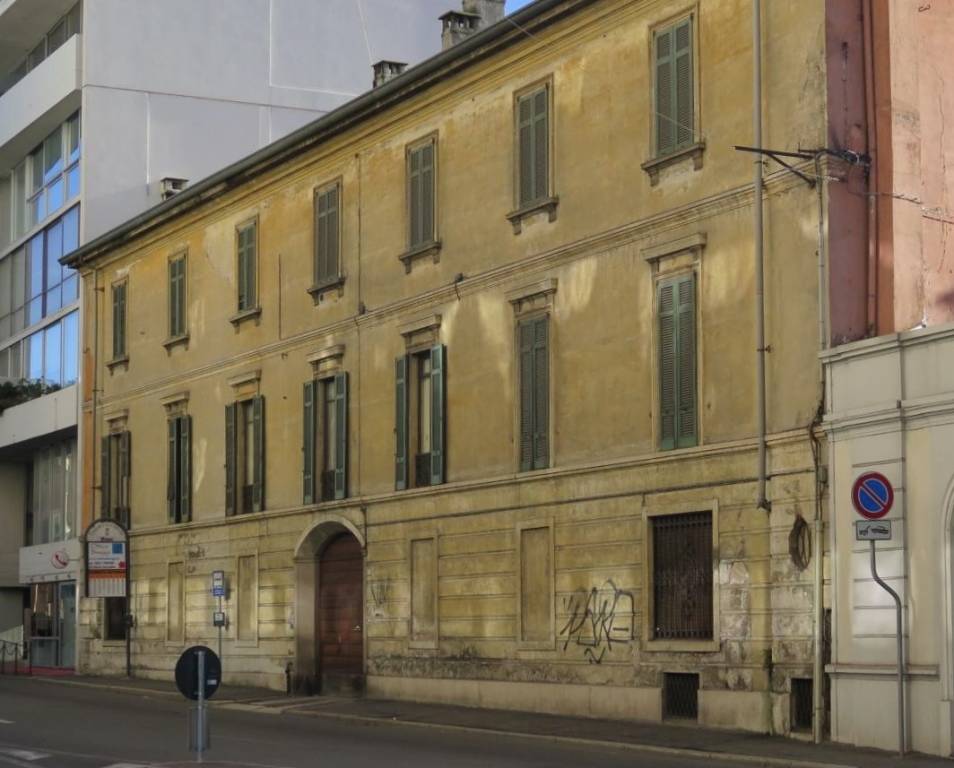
[873, 530]
[107, 559]
[57, 561]
[218, 583]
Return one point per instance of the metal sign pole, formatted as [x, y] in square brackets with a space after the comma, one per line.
[200, 720]
[897, 603]
[129, 614]
[220, 628]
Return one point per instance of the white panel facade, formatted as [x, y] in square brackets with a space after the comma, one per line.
[891, 409]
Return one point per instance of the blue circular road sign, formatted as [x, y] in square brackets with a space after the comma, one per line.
[872, 495]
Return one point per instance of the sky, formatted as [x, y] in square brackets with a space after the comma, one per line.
[513, 5]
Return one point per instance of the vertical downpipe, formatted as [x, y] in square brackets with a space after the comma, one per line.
[818, 546]
[759, 239]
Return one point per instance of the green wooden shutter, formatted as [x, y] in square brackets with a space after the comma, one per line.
[525, 149]
[104, 479]
[686, 362]
[309, 402]
[341, 436]
[185, 469]
[541, 144]
[438, 412]
[682, 78]
[428, 187]
[415, 199]
[526, 333]
[231, 457]
[665, 97]
[172, 469]
[125, 465]
[247, 256]
[258, 456]
[173, 300]
[119, 320]
[177, 297]
[666, 311]
[242, 276]
[400, 422]
[541, 394]
[321, 245]
[326, 235]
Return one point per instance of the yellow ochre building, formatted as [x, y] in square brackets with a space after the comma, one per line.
[460, 386]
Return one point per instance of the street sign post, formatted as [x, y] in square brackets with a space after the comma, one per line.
[198, 674]
[873, 496]
[219, 592]
[106, 559]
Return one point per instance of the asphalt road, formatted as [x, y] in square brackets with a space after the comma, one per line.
[50, 725]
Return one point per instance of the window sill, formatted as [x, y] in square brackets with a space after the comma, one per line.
[432, 249]
[318, 290]
[118, 362]
[176, 341]
[548, 205]
[238, 318]
[682, 646]
[654, 166]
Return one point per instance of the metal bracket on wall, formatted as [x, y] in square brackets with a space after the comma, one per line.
[777, 155]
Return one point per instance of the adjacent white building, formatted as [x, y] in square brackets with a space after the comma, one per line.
[107, 106]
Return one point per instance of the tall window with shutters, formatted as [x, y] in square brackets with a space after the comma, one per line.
[676, 309]
[179, 469]
[327, 235]
[119, 320]
[533, 146]
[245, 456]
[534, 383]
[674, 117]
[325, 444]
[422, 194]
[114, 477]
[420, 417]
[247, 265]
[177, 296]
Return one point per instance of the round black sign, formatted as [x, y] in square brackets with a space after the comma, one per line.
[187, 672]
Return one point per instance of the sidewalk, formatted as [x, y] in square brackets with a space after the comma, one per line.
[688, 739]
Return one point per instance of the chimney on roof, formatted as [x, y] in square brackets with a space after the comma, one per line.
[474, 16]
[387, 70]
[490, 11]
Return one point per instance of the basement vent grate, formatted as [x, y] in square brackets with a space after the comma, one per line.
[680, 696]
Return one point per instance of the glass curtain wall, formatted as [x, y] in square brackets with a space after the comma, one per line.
[53, 500]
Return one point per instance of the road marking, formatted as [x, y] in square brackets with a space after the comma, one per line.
[26, 754]
[126, 765]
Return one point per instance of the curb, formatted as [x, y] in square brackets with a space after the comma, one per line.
[757, 760]
[235, 705]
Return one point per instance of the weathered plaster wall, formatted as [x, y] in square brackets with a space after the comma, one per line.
[606, 474]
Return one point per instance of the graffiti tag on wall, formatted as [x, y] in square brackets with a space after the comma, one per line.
[597, 620]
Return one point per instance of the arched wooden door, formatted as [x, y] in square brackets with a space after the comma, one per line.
[341, 615]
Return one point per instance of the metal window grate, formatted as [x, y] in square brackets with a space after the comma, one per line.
[801, 704]
[680, 696]
[422, 470]
[247, 498]
[682, 576]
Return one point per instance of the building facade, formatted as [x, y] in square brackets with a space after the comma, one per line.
[889, 403]
[457, 383]
[106, 108]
